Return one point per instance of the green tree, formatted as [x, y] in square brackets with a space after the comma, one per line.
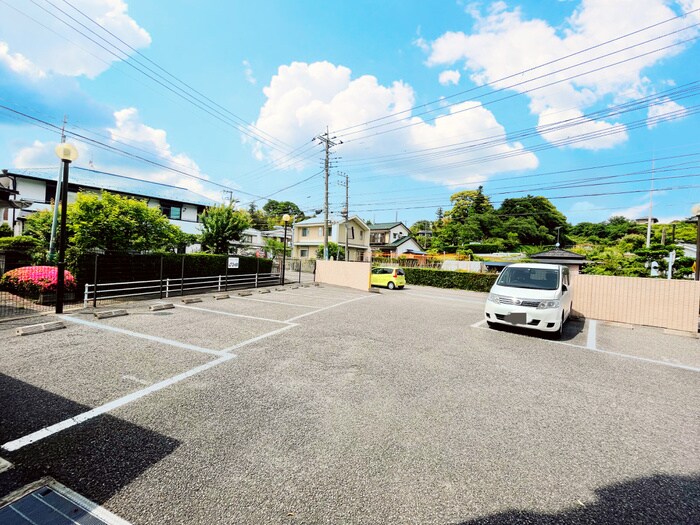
[113, 222]
[221, 225]
[275, 247]
[110, 222]
[275, 209]
[334, 250]
[5, 230]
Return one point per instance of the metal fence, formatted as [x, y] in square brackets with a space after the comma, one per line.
[170, 287]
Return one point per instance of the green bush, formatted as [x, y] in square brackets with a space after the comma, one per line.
[18, 244]
[478, 282]
[5, 230]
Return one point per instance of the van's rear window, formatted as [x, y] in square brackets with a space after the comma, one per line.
[534, 278]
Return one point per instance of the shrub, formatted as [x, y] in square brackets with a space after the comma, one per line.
[22, 243]
[30, 281]
[5, 230]
[479, 282]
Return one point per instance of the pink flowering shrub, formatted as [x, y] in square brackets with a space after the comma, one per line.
[30, 281]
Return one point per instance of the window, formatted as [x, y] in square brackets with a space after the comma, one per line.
[352, 232]
[320, 232]
[171, 211]
[304, 232]
[396, 236]
[304, 252]
[362, 234]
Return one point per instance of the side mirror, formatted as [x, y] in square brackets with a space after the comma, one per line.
[564, 288]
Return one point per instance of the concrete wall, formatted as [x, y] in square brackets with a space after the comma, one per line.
[664, 303]
[340, 273]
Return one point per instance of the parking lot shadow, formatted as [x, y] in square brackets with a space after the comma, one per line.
[660, 499]
[572, 329]
[96, 458]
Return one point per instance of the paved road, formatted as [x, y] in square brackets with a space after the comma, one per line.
[348, 407]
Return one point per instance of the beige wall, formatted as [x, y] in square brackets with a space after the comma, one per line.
[665, 303]
[351, 274]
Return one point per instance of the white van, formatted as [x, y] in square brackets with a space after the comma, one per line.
[531, 295]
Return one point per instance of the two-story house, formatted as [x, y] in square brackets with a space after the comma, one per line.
[37, 188]
[392, 239]
[308, 236]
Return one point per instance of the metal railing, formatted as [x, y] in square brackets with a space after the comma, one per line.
[169, 287]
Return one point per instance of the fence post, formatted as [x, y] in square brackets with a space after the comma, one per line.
[94, 294]
[167, 287]
[85, 295]
[160, 284]
[226, 274]
[299, 271]
[257, 270]
[218, 286]
[182, 277]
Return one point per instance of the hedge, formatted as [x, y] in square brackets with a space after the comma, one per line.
[137, 267]
[474, 248]
[478, 282]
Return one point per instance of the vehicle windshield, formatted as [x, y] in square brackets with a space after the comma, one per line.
[534, 278]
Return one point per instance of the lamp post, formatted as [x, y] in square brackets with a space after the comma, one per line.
[67, 153]
[286, 218]
[558, 228]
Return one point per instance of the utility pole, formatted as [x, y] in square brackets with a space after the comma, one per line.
[328, 142]
[54, 221]
[651, 203]
[346, 212]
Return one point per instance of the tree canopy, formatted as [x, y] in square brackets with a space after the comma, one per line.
[221, 225]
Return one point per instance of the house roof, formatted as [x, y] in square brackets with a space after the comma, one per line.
[558, 253]
[385, 225]
[398, 242]
[315, 221]
[98, 180]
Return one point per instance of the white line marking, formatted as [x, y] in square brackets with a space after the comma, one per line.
[616, 354]
[85, 416]
[332, 306]
[263, 336]
[445, 298]
[136, 380]
[230, 314]
[157, 339]
[478, 324]
[272, 302]
[591, 340]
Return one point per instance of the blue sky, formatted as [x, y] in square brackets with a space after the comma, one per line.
[576, 101]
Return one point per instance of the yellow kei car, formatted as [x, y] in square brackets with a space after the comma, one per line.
[391, 277]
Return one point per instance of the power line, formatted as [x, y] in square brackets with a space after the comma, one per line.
[519, 73]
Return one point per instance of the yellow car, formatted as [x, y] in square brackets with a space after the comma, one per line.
[391, 277]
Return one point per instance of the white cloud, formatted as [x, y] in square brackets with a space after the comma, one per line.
[19, 64]
[54, 48]
[302, 99]
[598, 134]
[664, 111]
[248, 72]
[504, 42]
[451, 76]
[127, 131]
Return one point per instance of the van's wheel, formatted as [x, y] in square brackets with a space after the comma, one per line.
[391, 285]
[490, 324]
[560, 333]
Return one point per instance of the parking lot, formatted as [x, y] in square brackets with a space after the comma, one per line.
[329, 405]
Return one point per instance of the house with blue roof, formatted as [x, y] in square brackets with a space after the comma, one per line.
[36, 188]
[393, 239]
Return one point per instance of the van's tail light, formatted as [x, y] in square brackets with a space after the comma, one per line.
[395, 274]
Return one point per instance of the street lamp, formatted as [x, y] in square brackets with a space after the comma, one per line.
[67, 153]
[286, 218]
[558, 228]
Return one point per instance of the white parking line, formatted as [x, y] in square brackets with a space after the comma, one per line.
[263, 336]
[332, 306]
[272, 302]
[108, 407]
[591, 340]
[591, 347]
[230, 314]
[445, 298]
[154, 338]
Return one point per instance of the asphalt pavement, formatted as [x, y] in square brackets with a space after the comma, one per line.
[328, 405]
